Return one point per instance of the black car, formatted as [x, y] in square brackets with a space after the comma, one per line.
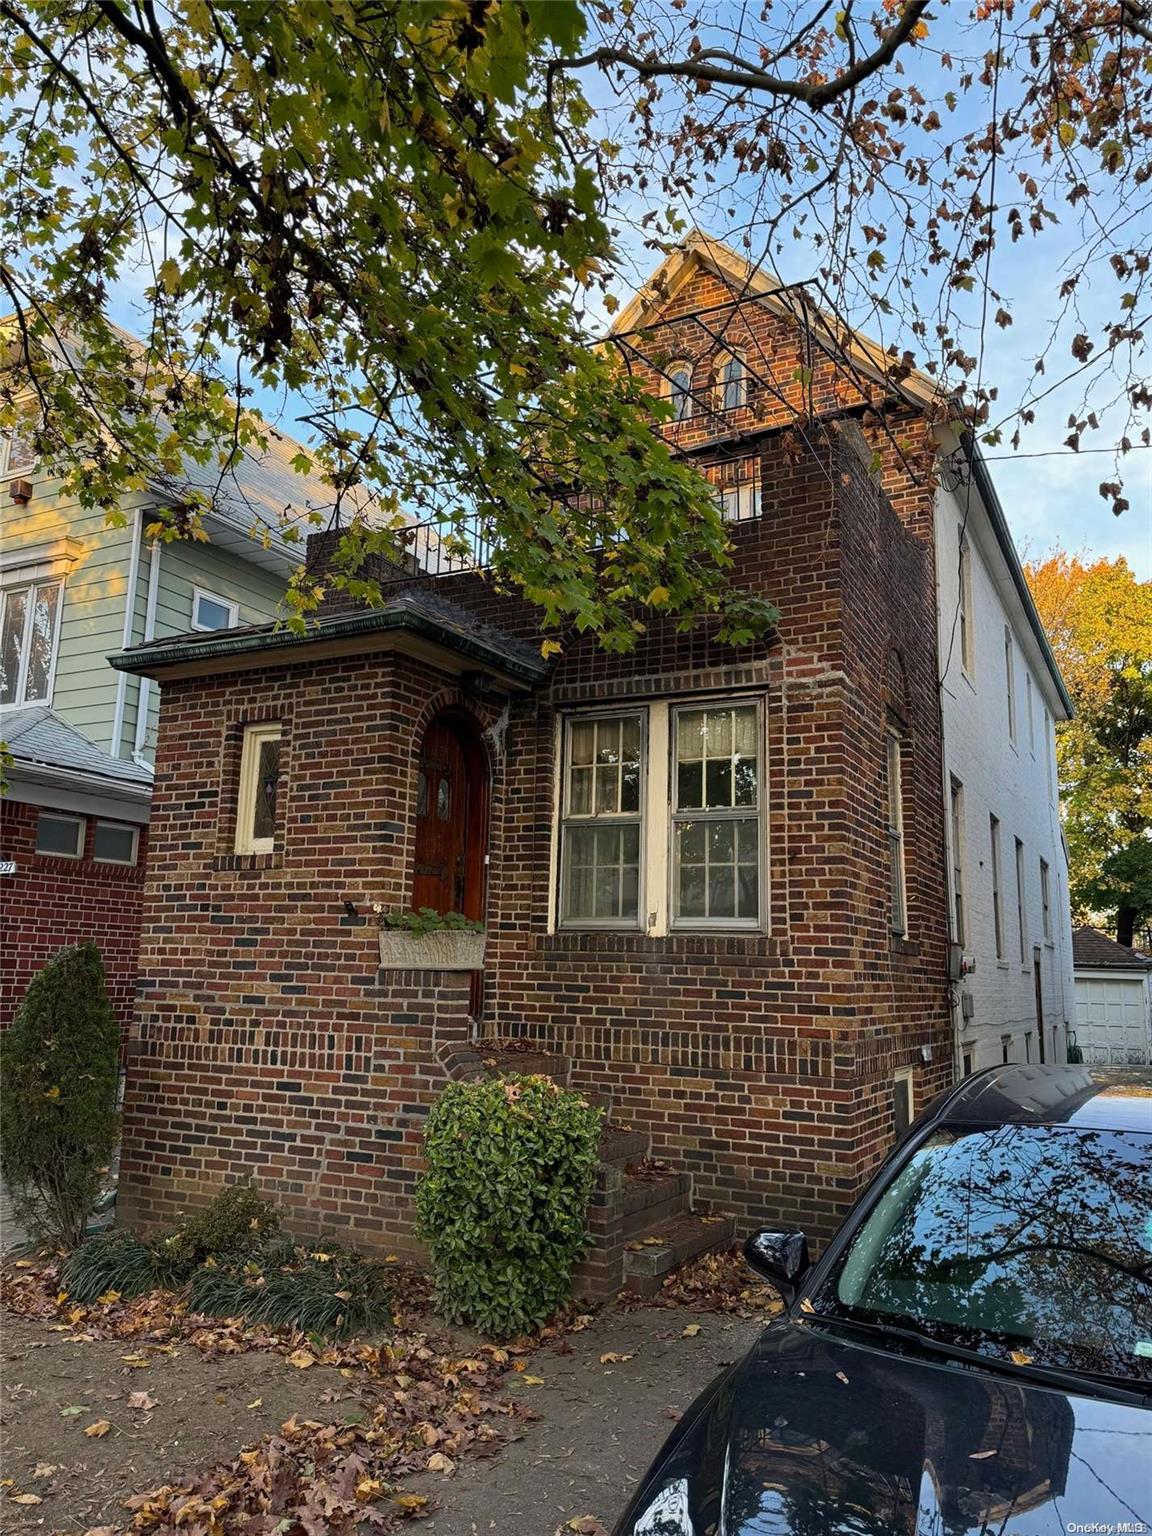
[973, 1353]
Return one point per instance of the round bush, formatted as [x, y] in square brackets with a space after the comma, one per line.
[503, 1202]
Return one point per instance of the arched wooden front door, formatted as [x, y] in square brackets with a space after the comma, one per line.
[451, 818]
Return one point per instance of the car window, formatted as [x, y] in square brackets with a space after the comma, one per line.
[1033, 1241]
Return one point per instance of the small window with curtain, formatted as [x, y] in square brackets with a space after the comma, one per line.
[257, 807]
[898, 903]
[29, 634]
[716, 816]
[602, 807]
[680, 390]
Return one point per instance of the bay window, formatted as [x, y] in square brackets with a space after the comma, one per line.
[661, 818]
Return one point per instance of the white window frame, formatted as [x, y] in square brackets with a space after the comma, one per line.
[1021, 906]
[894, 826]
[81, 824]
[956, 831]
[1010, 682]
[997, 886]
[967, 637]
[254, 737]
[33, 586]
[6, 437]
[213, 597]
[1046, 900]
[673, 391]
[121, 826]
[905, 1077]
[566, 820]
[1049, 752]
[737, 813]
[1031, 714]
[655, 903]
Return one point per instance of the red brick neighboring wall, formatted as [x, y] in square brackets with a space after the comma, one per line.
[51, 902]
[268, 1044]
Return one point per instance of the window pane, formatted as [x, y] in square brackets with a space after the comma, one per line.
[602, 873]
[718, 783]
[267, 787]
[748, 892]
[580, 792]
[62, 835]
[114, 843]
[607, 790]
[40, 645]
[211, 613]
[721, 890]
[692, 891]
[718, 737]
[690, 786]
[582, 741]
[15, 607]
[721, 840]
[690, 734]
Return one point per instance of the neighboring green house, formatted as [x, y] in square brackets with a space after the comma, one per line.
[81, 736]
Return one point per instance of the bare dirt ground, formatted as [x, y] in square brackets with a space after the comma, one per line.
[599, 1422]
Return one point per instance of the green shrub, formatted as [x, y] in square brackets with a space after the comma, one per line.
[238, 1221]
[503, 1202]
[58, 1120]
[121, 1262]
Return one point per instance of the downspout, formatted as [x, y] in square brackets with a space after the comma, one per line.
[129, 622]
[144, 696]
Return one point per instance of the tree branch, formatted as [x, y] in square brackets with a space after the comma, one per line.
[746, 76]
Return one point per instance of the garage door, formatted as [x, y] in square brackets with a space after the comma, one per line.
[1112, 1021]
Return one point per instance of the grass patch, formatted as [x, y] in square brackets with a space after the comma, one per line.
[233, 1260]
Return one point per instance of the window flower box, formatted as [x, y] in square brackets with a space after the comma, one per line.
[445, 950]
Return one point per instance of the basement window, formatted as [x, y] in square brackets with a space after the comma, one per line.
[60, 837]
[256, 809]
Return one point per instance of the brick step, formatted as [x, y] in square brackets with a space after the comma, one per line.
[649, 1199]
[499, 1061]
[621, 1145]
[682, 1237]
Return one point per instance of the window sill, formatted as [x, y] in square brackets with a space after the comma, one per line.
[900, 946]
[1002, 965]
[709, 944]
[248, 863]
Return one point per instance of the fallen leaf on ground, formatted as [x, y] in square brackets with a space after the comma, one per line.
[610, 1357]
[691, 1331]
[257, 1402]
[438, 1462]
[141, 1400]
[44, 1469]
[98, 1430]
[73, 1409]
[1020, 1358]
[586, 1525]
[532, 1381]
[301, 1359]
[411, 1500]
[25, 1498]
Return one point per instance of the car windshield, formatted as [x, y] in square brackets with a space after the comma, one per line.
[1032, 1243]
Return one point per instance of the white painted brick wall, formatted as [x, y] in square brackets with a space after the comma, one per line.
[1015, 782]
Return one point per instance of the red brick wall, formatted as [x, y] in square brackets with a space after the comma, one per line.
[267, 1043]
[51, 902]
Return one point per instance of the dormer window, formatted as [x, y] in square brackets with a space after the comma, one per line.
[680, 390]
[732, 380]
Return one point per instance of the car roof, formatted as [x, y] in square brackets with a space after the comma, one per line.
[1095, 1098]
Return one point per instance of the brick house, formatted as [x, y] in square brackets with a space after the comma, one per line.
[713, 879]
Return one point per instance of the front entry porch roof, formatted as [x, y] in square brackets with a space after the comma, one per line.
[415, 622]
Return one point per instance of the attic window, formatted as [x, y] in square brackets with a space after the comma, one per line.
[680, 390]
[733, 383]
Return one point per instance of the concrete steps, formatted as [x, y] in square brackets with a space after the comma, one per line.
[670, 1245]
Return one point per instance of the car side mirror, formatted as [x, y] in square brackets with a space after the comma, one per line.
[781, 1257]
